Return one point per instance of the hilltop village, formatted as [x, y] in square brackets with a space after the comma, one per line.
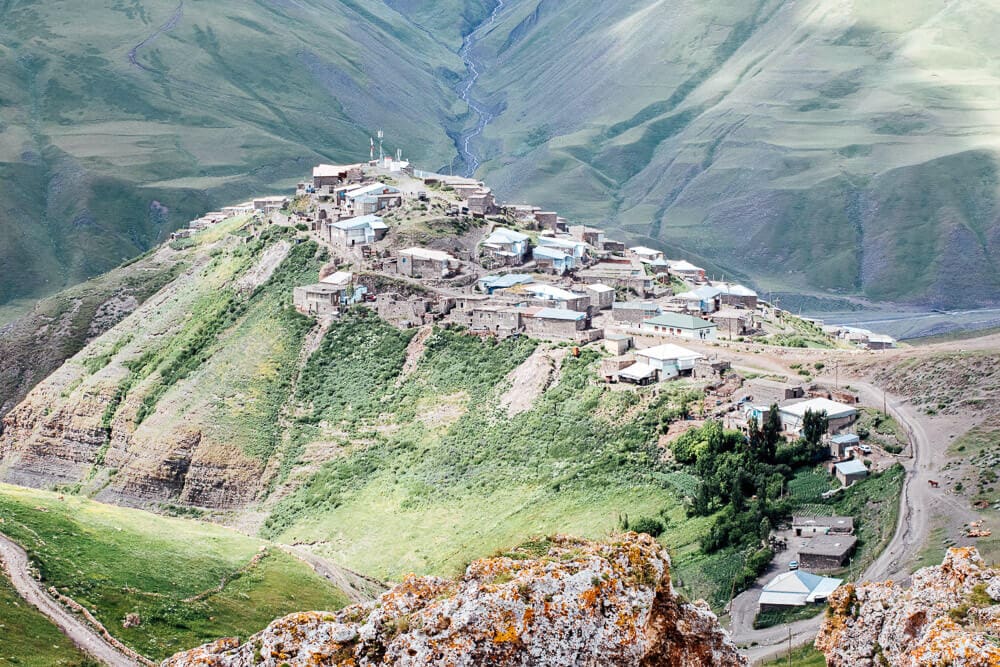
[423, 248]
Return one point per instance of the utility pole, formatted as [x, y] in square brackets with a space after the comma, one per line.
[884, 411]
[789, 646]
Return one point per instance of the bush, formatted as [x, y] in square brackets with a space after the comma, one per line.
[649, 525]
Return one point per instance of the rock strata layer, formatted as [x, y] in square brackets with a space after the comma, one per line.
[558, 602]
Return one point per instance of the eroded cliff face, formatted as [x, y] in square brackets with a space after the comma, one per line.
[577, 603]
[949, 616]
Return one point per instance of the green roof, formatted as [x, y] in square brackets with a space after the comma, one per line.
[678, 321]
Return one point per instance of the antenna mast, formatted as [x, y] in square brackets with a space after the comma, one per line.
[381, 155]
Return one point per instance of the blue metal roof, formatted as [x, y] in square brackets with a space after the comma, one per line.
[508, 280]
[558, 314]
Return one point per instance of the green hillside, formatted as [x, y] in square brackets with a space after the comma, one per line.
[100, 156]
[849, 148]
[188, 582]
[814, 147]
[30, 639]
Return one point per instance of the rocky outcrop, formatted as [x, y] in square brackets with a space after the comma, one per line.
[949, 616]
[559, 602]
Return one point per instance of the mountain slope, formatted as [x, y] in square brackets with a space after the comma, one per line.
[120, 122]
[845, 147]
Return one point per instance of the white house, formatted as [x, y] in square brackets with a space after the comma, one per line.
[839, 415]
[558, 261]
[507, 243]
[646, 254]
[686, 269]
[685, 326]
[669, 360]
[357, 231]
[797, 589]
[569, 246]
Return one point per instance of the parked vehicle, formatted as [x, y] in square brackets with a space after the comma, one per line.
[793, 565]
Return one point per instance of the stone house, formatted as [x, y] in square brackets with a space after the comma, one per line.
[827, 552]
[669, 360]
[733, 322]
[738, 296]
[767, 392]
[321, 299]
[602, 297]
[554, 322]
[425, 263]
[634, 312]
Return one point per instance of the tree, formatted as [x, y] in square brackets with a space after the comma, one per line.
[814, 426]
[772, 432]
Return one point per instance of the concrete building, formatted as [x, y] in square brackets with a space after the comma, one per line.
[618, 344]
[602, 297]
[372, 198]
[849, 472]
[767, 392]
[634, 312]
[840, 416]
[684, 326]
[796, 589]
[363, 230]
[827, 552]
[810, 526]
[551, 296]
[481, 203]
[669, 360]
[424, 263]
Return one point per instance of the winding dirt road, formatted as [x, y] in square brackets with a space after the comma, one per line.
[16, 565]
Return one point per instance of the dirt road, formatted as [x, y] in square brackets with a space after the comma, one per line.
[15, 561]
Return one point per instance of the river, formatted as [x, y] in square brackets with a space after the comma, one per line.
[474, 69]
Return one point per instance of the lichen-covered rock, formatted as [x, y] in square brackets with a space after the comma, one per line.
[949, 616]
[571, 602]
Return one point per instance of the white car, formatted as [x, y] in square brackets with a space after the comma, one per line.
[865, 449]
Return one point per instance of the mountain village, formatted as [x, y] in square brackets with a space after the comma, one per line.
[423, 248]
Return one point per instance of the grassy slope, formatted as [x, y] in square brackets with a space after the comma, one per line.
[117, 561]
[59, 326]
[433, 474]
[99, 158]
[810, 145]
[29, 638]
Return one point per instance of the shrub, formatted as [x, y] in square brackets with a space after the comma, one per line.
[649, 525]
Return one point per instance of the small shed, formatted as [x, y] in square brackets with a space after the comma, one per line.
[640, 374]
[839, 444]
[849, 472]
[617, 344]
[808, 526]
